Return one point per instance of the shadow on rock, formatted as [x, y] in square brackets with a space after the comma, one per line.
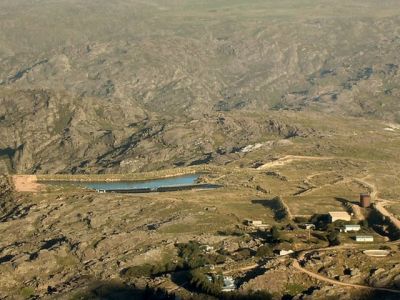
[119, 291]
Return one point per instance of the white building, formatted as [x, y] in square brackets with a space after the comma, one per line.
[229, 284]
[339, 215]
[254, 222]
[285, 252]
[207, 248]
[257, 223]
[364, 238]
[348, 228]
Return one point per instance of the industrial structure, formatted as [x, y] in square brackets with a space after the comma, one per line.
[338, 215]
[254, 222]
[365, 200]
[257, 223]
[376, 253]
[364, 238]
[347, 228]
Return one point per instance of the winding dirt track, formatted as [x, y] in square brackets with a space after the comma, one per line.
[318, 276]
[379, 202]
[297, 266]
[241, 269]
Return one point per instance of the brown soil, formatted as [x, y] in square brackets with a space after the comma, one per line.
[26, 183]
[290, 158]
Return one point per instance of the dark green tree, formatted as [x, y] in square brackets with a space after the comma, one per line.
[275, 234]
[364, 223]
[264, 250]
[333, 238]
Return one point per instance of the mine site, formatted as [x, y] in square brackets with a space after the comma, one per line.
[257, 229]
[193, 150]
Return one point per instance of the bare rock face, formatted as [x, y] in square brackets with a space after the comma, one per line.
[133, 92]
[287, 131]
[6, 196]
[384, 278]
[43, 131]
[277, 278]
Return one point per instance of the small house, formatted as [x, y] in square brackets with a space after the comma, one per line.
[257, 223]
[254, 222]
[338, 215]
[364, 238]
[348, 228]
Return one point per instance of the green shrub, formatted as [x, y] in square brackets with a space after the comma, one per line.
[216, 259]
[211, 285]
[243, 254]
[264, 250]
[189, 249]
[364, 224]
[333, 238]
[145, 270]
[275, 234]
[192, 254]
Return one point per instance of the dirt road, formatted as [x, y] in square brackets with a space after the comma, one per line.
[370, 186]
[241, 269]
[379, 206]
[380, 203]
[335, 282]
[318, 276]
[26, 183]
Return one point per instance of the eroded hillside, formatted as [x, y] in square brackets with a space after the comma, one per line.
[149, 85]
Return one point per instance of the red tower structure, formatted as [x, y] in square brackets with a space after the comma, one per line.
[365, 200]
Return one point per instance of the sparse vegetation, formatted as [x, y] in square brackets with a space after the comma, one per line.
[275, 234]
[264, 251]
[27, 292]
[333, 238]
[292, 106]
[209, 284]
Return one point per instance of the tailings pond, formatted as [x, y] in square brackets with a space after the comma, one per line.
[179, 183]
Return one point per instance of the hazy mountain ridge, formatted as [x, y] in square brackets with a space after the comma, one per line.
[135, 69]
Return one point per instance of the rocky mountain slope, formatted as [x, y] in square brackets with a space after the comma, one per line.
[133, 85]
[6, 196]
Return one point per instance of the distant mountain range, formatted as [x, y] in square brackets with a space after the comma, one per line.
[121, 86]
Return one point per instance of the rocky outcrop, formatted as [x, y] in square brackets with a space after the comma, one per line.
[6, 196]
[382, 277]
[85, 105]
[43, 131]
[288, 131]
